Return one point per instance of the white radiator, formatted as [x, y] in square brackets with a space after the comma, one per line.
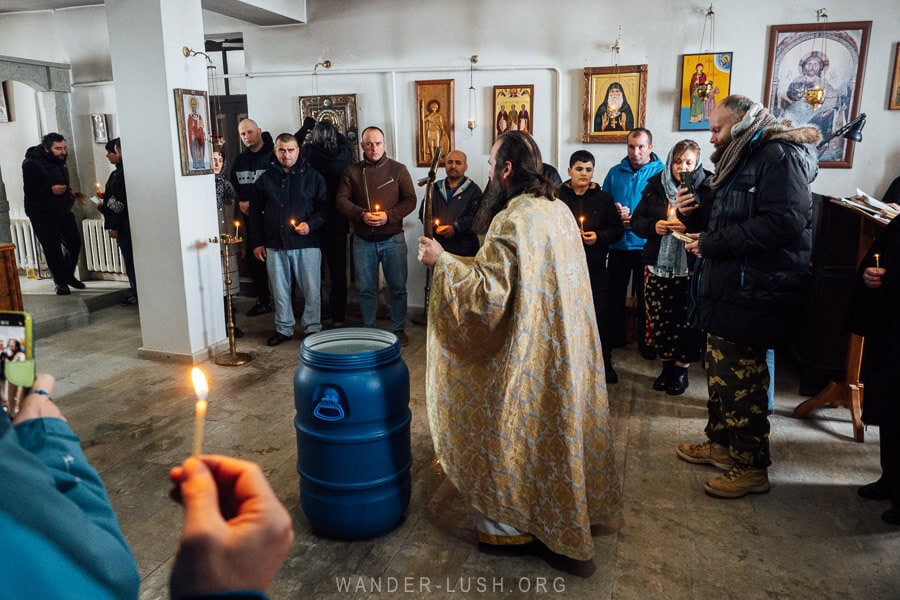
[28, 250]
[101, 252]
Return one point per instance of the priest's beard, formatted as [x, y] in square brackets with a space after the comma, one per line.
[493, 201]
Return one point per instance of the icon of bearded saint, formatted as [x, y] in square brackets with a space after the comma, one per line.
[614, 114]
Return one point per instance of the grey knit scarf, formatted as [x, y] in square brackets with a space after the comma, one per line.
[755, 120]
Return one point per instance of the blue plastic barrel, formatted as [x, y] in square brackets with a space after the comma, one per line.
[351, 392]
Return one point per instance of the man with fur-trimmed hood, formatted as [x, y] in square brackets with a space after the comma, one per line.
[754, 246]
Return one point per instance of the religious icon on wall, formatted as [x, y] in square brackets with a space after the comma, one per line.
[513, 108]
[434, 122]
[99, 127]
[340, 109]
[615, 101]
[815, 77]
[705, 80]
[192, 116]
[894, 101]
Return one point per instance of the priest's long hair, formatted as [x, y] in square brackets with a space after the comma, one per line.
[522, 152]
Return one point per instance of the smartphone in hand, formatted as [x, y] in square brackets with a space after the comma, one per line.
[16, 349]
[687, 182]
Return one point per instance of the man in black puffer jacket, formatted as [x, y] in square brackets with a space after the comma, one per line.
[48, 203]
[289, 208]
[754, 247]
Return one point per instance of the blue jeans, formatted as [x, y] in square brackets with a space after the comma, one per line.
[391, 253]
[284, 267]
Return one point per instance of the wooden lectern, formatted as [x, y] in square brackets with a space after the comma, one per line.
[10, 292]
[842, 235]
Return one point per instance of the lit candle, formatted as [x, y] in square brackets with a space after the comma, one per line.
[671, 213]
[293, 224]
[581, 223]
[377, 208]
[97, 185]
[201, 389]
[877, 264]
[237, 229]
[437, 223]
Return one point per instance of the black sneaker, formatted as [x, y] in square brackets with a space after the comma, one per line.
[259, 308]
[662, 382]
[62, 289]
[678, 382]
[78, 285]
[129, 300]
[277, 339]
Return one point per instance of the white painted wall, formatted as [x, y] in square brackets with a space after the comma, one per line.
[15, 137]
[419, 39]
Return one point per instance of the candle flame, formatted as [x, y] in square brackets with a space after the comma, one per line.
[201, 389]
[293, 222]
[237, 223]
[437, 222]
[377, 208]
[671, 213]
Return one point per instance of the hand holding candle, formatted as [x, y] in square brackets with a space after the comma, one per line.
[201, 389]
[375, 218]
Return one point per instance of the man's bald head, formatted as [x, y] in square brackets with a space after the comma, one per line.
[456, 166]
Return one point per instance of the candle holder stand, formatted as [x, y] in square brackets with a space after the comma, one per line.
[232, 358]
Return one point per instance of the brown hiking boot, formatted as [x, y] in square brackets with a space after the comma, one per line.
[707, 453]
[738, 481]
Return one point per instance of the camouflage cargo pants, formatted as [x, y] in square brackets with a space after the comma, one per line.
[738, 419]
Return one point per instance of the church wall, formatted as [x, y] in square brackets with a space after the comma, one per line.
[379, 50]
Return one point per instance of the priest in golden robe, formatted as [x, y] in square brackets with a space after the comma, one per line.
[515, 384]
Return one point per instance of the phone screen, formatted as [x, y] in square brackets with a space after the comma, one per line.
[14, 342]
[16, 364]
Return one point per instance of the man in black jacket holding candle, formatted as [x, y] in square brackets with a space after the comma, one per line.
[291, 205]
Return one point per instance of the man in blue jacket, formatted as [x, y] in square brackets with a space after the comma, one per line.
[625, 182]
[291, 205]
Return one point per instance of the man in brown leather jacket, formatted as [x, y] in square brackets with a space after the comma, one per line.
[375, 194]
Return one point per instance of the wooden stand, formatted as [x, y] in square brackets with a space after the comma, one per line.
[842, 235]
[10, 291]
[848, 393]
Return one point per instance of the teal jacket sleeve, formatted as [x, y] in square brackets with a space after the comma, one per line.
[60, 511]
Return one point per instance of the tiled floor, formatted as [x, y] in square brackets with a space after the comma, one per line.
[811, 537]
